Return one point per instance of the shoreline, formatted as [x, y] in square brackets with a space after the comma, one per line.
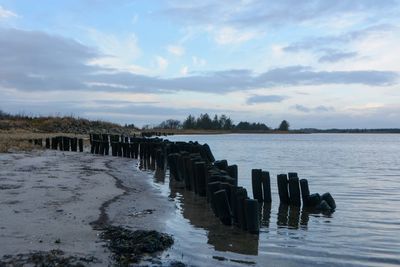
[167, 132]
[53, 200]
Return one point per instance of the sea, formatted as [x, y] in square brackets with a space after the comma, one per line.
[361, 171]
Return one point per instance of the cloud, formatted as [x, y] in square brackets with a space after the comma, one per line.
[274, 13]
[230, 35]
[162, 63]
[5, 13]
[184, 70]
[176, 50]
[257, 99]
[32, 60]
[305, 109]
[117, 51]
[36, 61]
[198, 62]
[335, 56]
[311, 43]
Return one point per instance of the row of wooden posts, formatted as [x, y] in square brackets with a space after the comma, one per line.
[195, 167]
[218, 182]
[63, 143]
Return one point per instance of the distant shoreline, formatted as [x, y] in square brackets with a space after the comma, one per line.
[301, 131]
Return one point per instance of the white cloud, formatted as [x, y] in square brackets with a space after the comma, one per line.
[198, 62]
[119, 52]
[184, 70]
[176, 50]
[229, 35]
[5, 13]
[162, 63]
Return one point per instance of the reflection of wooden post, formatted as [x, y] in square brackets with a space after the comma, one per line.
[212, 188]
[294, 216]
[282, 215]
[266, 214]
[201, 170]
[48, 143]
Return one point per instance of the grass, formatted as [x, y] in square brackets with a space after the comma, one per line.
[19, 139]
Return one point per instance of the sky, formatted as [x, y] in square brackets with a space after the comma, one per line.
[316, 63]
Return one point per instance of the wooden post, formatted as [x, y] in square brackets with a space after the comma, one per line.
[283, 189]
[256, 184]
[266, 182]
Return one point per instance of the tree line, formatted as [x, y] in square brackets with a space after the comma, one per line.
[222, 122]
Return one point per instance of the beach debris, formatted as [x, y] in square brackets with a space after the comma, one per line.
[47, 258]
[130, 246]
[143, 213]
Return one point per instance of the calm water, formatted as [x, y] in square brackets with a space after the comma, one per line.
[362, 172]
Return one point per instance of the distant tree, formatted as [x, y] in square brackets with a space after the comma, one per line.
[170, 124]
[189, 122]
[131, 126]
[228, 125]
[204, 122]
[284, 126]
[215, 123]
[244, 125]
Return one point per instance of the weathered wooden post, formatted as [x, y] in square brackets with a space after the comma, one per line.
[283, 189]
[233, 172]
[222, 206]
[266, 183]
[329, 199]
[80, 144]
[221, 164]
[252, 215]
[241, 196]
[257, 184]
[66, 143]
[294, 190]
[305, 191]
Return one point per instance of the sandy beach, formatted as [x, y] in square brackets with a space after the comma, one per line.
[56, 200]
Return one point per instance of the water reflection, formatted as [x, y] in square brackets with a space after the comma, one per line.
[265, 215]
[198, 213]
[196, 209]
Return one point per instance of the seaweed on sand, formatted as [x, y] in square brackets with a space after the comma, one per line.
[51, 258]
[130, 246]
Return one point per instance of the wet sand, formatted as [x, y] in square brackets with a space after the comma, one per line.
[55, 200]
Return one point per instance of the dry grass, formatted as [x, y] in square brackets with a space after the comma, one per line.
[19, 139]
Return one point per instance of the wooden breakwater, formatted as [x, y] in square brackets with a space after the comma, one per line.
[217, 181]
[194, 166]
[62, 143]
